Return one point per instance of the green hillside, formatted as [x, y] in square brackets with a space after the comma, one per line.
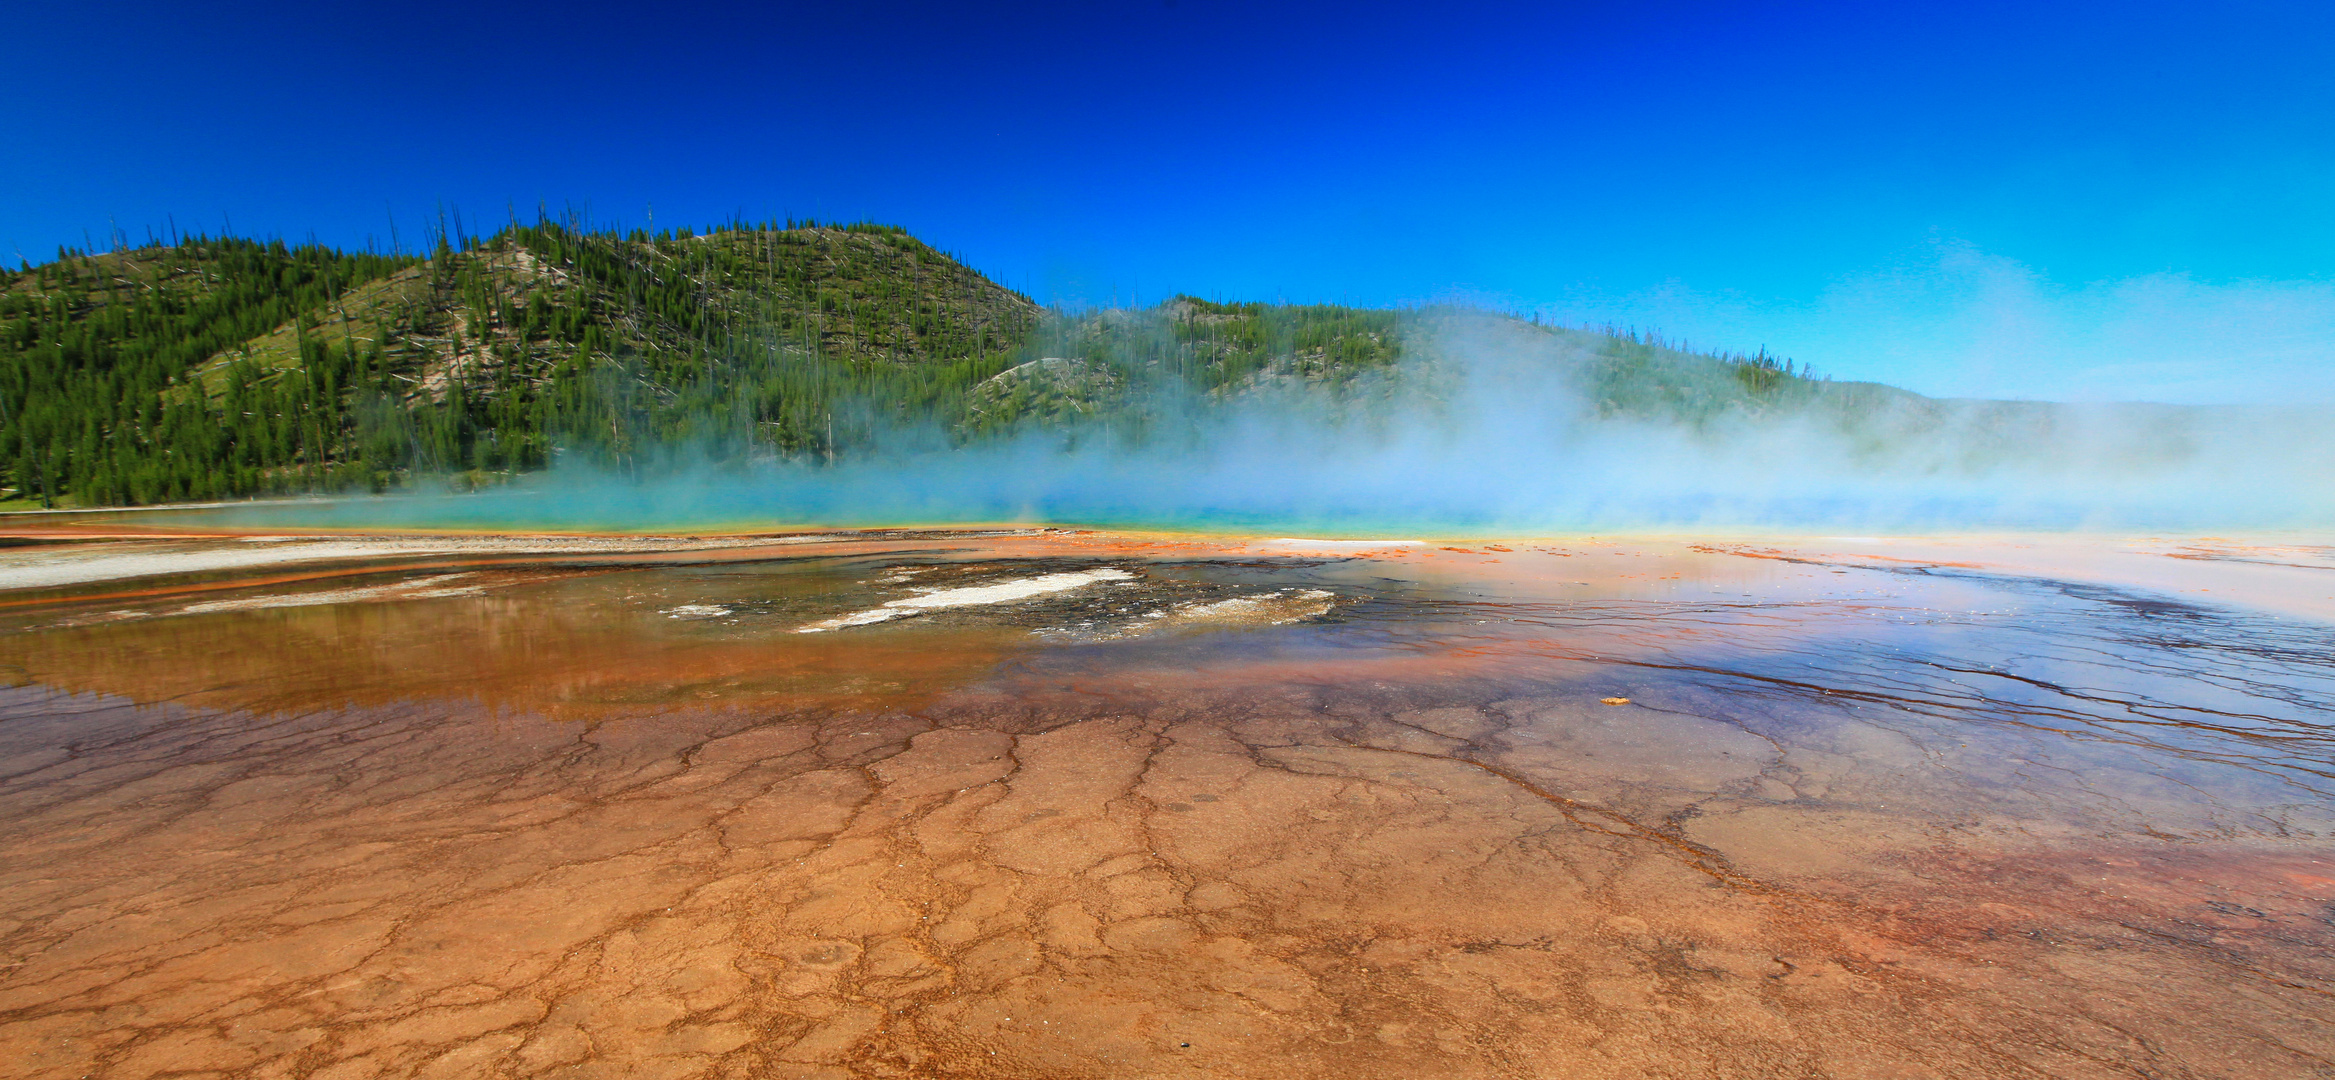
[1112, 367]
[226, 368]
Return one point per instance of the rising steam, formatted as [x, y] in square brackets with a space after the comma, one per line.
[1486, 427]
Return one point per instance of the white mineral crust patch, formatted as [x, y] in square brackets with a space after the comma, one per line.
[112, 560]
[420, 589]
[1267, 609]
[996, 593]
[1272, 607]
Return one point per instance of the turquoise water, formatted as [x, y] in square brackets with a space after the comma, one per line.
[862, 498]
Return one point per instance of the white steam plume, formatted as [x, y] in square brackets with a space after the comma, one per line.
[1485, 428]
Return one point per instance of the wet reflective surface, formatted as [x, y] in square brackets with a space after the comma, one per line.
[1245, 808]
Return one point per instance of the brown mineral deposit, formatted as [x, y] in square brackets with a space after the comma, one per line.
[608, 814]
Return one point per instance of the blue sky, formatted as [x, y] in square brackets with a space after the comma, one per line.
[2083, 201]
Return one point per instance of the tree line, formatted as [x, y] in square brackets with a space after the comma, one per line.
[221, 368]
[211, 368]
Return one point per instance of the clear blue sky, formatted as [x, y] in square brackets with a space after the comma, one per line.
[2062, 200]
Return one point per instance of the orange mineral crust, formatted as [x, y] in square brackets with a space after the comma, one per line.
[1052, 804]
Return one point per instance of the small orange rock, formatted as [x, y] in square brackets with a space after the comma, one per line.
[1615, 700]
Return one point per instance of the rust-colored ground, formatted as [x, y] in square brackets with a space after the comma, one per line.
[1943, 816]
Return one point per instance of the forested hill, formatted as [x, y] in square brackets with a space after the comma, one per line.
[218, 368]
[226, 368]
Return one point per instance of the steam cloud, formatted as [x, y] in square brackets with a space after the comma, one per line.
[1485, 429]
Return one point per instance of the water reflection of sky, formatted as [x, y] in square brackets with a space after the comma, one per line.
[2024, 682]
